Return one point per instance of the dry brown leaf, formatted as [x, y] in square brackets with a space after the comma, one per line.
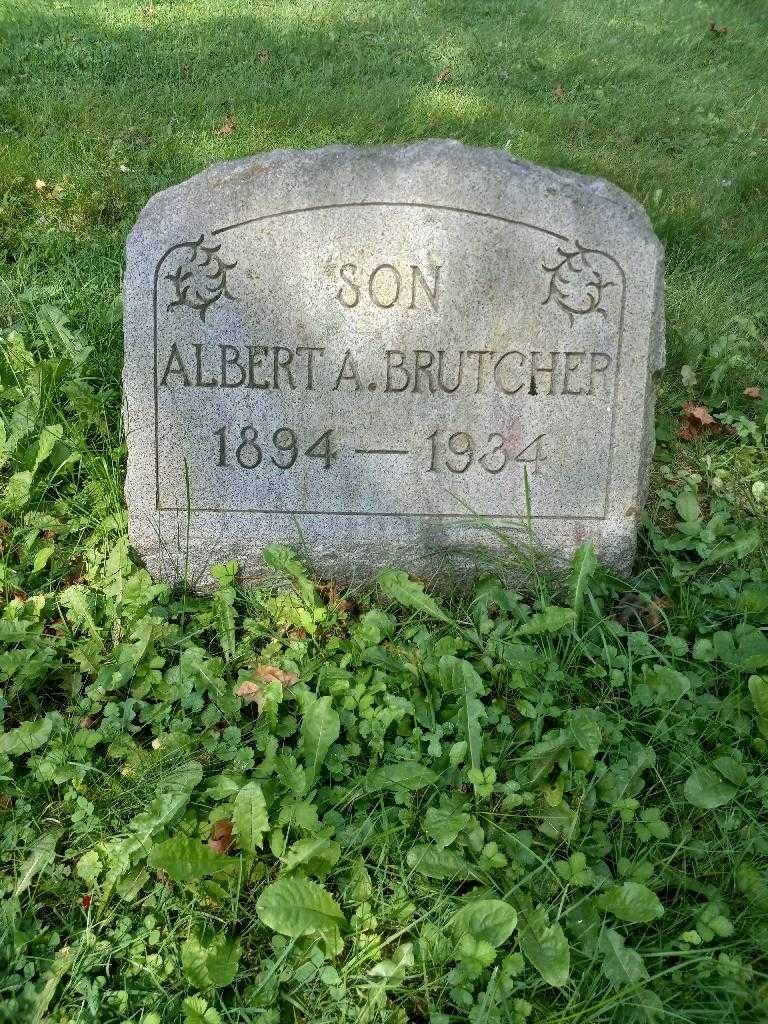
[252, 691]
[272, 674]
[558, 93]
[227, 128]
[341, 605]
[88, 721]
[40, 186]
[718, 30]
[753, 392]
[249, 692]
[442, 75]
[697, 420]
[221, 840]
[637, 612]
[694, 419]
[264, 56]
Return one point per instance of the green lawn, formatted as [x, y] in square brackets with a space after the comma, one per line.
[287, 806]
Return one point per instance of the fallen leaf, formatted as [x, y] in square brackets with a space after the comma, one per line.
[558, 93]
[693, 421]
[88, 721]
[40, 186]
[272, 674]
[221, 840]
[264, 56]
[227, 128]
[637, 612]
[753, 392]
[77, 576]
[442, 75]
[718, 30]
[341, 605]
[252, 691]
[696, 420]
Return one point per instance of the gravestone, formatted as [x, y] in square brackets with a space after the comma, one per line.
[389, 356]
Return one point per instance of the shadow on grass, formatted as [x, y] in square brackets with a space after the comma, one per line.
[116, 101]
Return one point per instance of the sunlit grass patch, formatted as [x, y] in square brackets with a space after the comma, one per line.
[534, 803]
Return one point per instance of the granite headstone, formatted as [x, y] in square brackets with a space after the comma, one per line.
[388, 356]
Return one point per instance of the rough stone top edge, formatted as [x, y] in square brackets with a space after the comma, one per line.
[570, 182]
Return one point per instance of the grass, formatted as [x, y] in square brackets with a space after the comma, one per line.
[590, 755]
[653, 100]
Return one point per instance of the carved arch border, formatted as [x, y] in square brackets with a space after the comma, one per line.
[215, 232]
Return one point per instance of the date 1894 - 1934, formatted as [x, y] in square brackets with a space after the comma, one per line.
[456, 451]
